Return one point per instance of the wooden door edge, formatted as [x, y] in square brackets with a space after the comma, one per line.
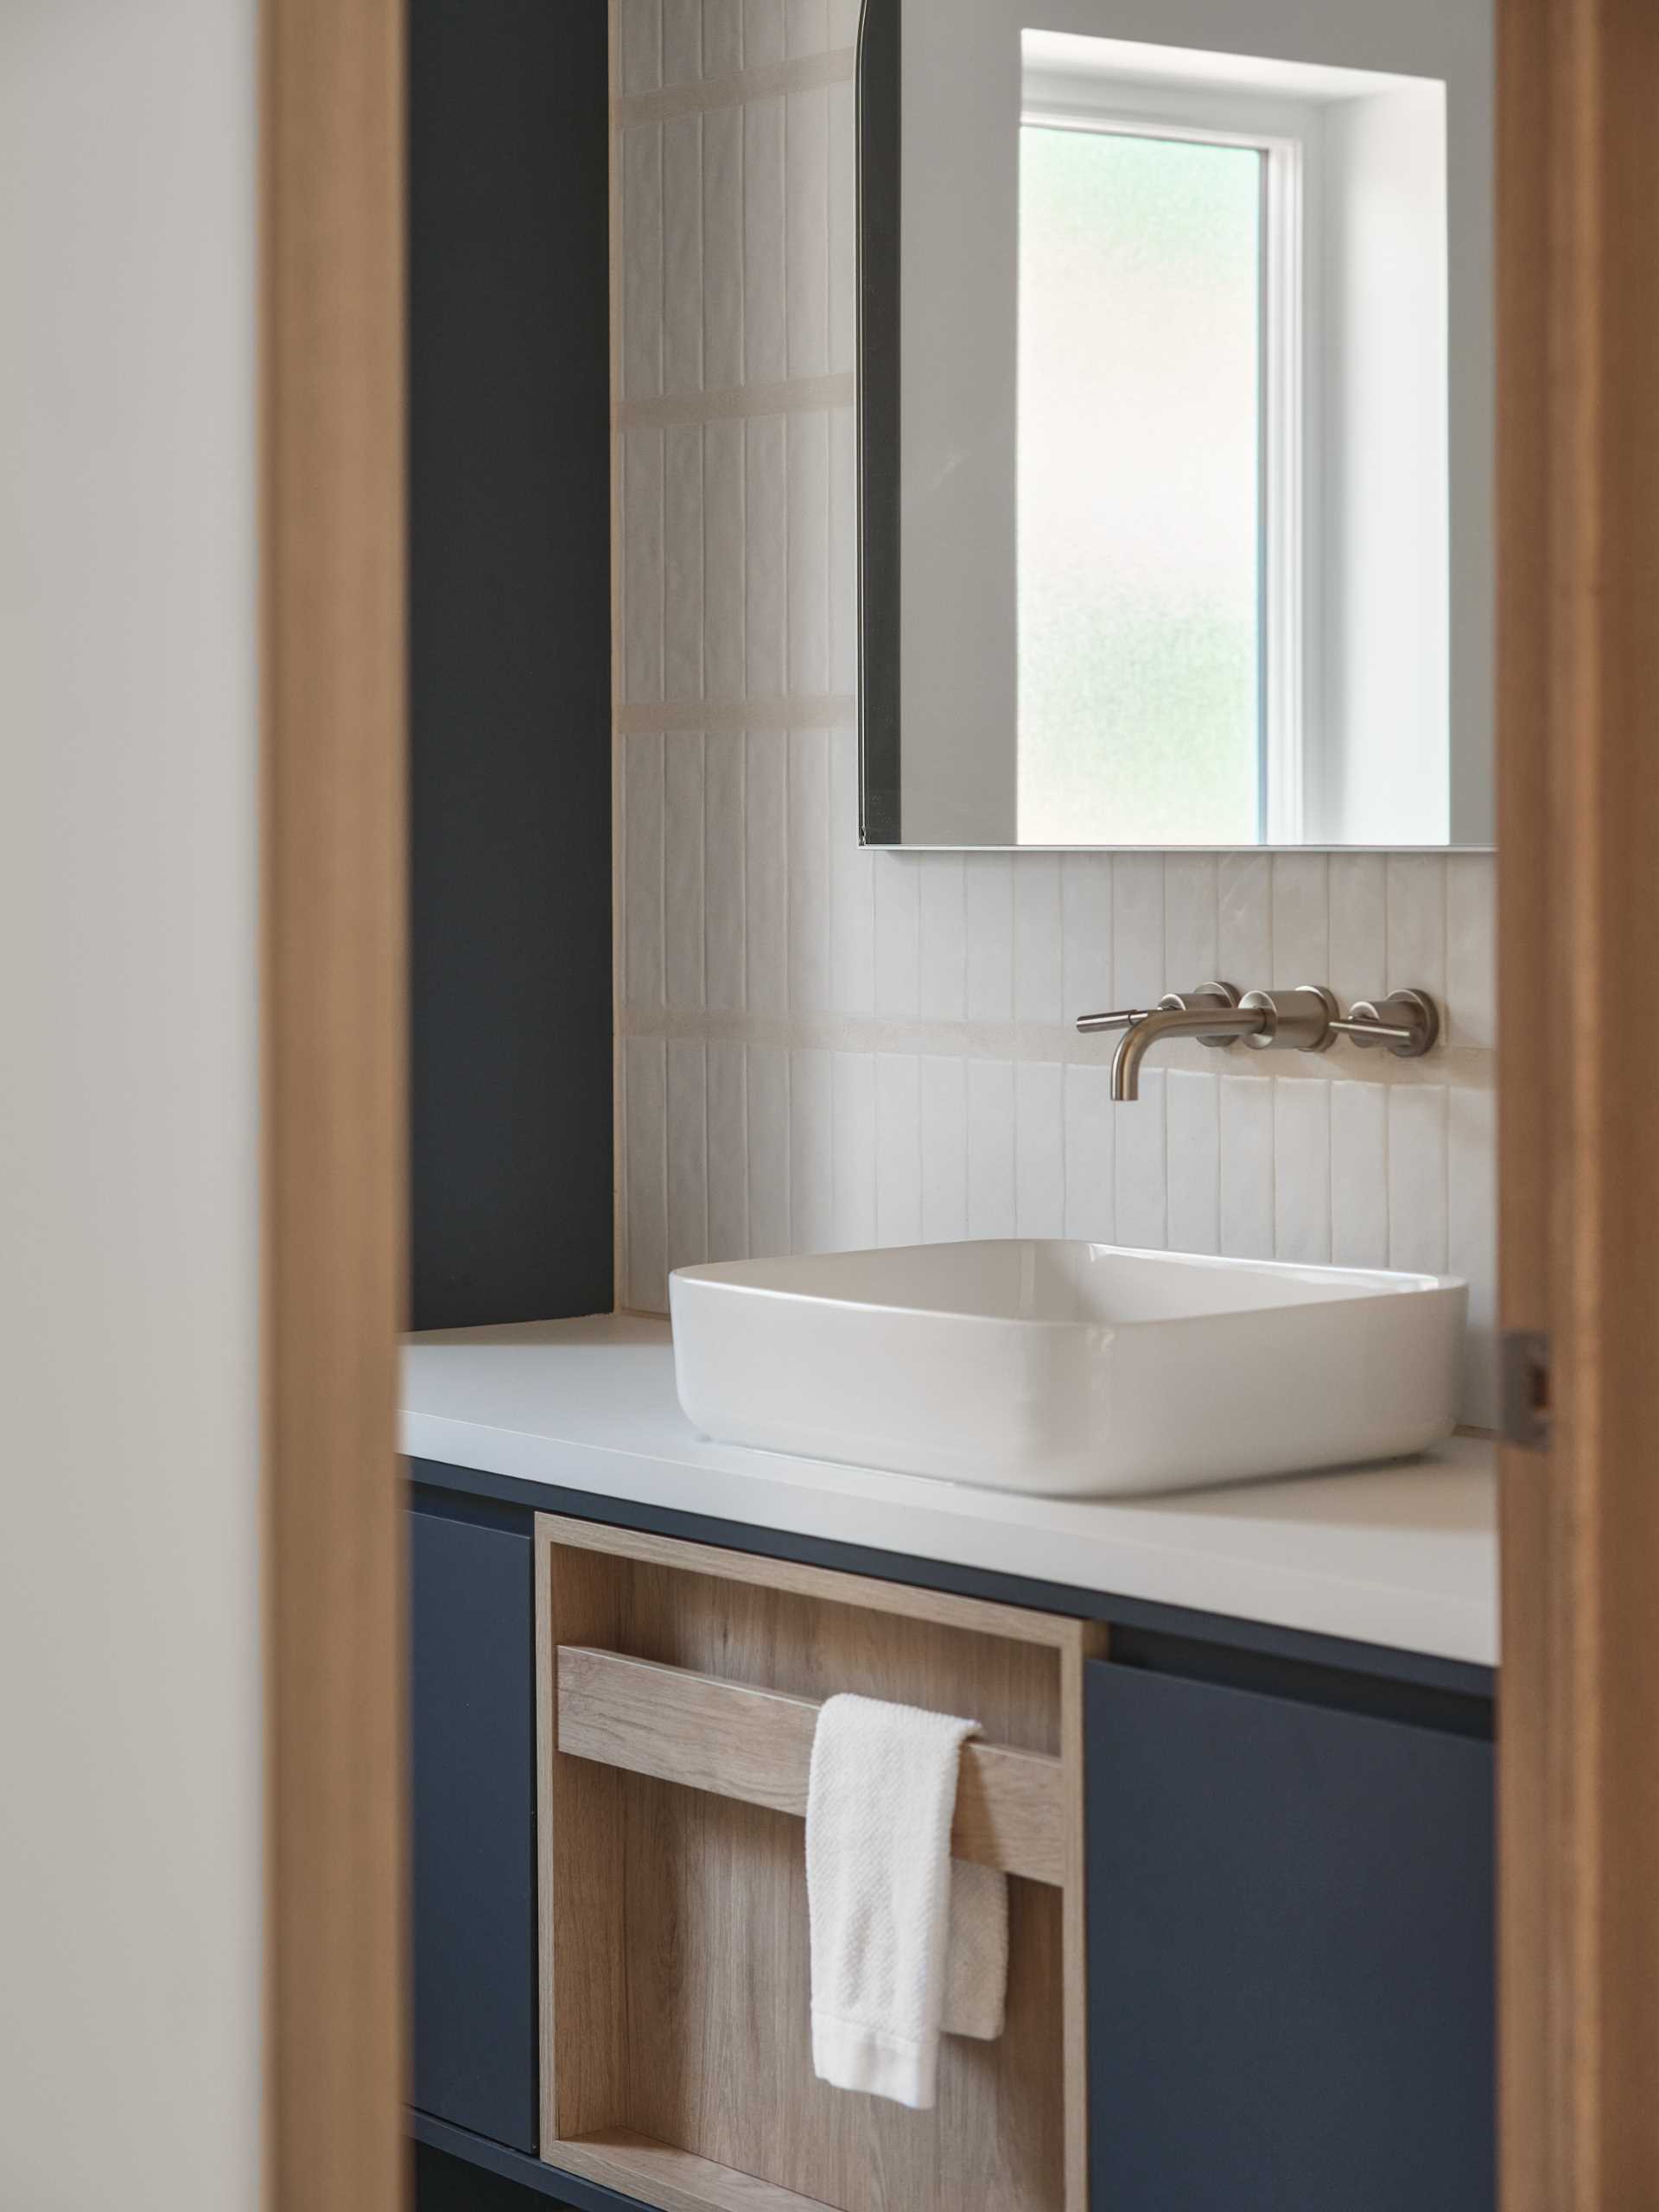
[333, 1085]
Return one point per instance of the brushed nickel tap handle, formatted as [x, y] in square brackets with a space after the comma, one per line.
[1302, 1020]
[1408, 1022]
[1225, 998]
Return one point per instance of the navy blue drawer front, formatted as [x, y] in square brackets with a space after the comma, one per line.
[473, 1759]
[1291, 1954]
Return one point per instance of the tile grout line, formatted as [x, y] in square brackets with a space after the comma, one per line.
[801, 73]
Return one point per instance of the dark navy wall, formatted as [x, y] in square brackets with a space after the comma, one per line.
[510, 661]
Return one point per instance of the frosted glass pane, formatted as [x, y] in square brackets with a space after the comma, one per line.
[1139, 466]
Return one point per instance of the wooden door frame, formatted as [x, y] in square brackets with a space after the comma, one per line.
[335, 987]
[1578, 415]
[1579, 827]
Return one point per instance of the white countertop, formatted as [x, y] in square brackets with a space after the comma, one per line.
[1404, 1555]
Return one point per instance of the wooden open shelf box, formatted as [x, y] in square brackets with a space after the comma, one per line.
[677, 1694]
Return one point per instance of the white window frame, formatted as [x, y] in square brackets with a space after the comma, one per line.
[1288, 134]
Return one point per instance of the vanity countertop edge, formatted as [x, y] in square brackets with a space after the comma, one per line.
[1401, 1556]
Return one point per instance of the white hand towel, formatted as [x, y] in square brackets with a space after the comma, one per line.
[905, 1941]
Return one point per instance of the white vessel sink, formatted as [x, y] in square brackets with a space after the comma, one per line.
[1068, 1369]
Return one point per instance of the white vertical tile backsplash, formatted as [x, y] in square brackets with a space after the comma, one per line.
[688, 1239]
[1246, 1124]
[642, 872]
[826, 1046]
[898, 942]
[811, 1175]
[944, 1150]
[645, 1159]
[685, 625]
[898, 1148]
[1138, 919]
[642, 565]
[1086, 933]
[806, 497]
[1359, 1174]
[852, 1148]
[767, 1072]
[723, 248]
[1302, 920]
[1472, 1229]
[725, 839]
[1471, 940]
[641, 27]
[1359, 924]
[993, 1198]
[765, 873]
[1037, 939]
[722, 37]
[682, 282]
[1301, 1172]
[684, 898]
[1416, 946]
[806, 205]
[682, 41]
[642, 273]
[763, 31]
[1245, 918]
[1091, 1151]
[1040, 1147]
[808, 866]
[1141, 1168]
[766, 523]
[942, 924]
[1418, 1173]
[987, 906]
[1193, 1146]
[1192, 911]
[766, 299]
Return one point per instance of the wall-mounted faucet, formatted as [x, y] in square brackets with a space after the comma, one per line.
[1306, 1020]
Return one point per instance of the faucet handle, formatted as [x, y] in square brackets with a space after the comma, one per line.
[1408, 1022]
[1225, 998]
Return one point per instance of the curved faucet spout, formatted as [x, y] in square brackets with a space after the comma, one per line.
[1206, 1021]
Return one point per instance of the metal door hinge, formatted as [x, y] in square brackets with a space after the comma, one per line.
[1523, 1389]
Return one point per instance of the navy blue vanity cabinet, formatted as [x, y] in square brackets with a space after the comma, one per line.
[474, 1780]
[1290, 1915]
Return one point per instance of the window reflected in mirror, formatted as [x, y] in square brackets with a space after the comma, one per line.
[1176, 426]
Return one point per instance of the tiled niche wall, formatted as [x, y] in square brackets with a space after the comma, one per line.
[824, 1047]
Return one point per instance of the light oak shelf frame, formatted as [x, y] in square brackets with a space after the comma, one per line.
[756, 1745]
[678, 1687]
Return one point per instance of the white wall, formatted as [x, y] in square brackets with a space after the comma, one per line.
[129, 1704]
[826, 1046]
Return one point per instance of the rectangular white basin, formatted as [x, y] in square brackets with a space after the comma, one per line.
[1068, 1369]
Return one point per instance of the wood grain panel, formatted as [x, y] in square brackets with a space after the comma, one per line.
[676, 2181]
[335, 986]
[1578, 161]
[580, 1841]
[714, 1952]
[824, 1583]
[756, 1745]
